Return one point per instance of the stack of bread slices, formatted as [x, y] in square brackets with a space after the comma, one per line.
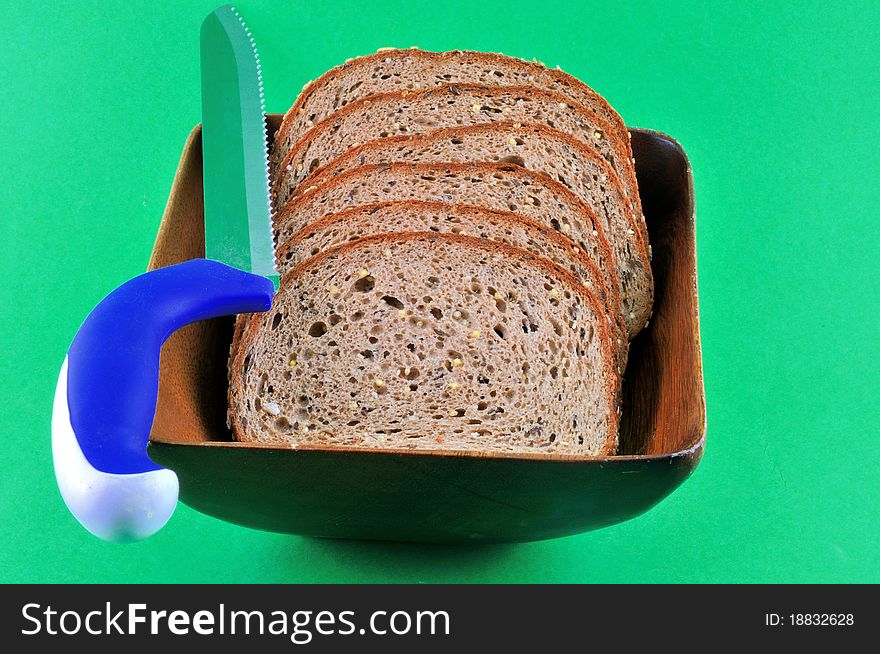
[463, 262]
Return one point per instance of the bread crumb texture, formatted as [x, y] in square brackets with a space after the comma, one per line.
[464, 370]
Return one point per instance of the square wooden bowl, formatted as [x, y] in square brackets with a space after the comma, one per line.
[442, 497]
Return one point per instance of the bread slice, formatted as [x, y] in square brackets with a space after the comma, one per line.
[398, 341]
[408, 112]
[543, 149]
[502, 186]
[499, 226]
[398, 69]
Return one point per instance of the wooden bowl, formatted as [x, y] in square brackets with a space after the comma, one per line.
[434, 497]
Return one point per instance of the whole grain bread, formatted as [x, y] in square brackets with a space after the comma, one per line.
[409, 112]
[502, 186]
[398, 69]
[543, 149]
[498, 226]
[399, 341]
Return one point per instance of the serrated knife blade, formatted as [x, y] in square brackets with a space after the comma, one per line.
[238, 219]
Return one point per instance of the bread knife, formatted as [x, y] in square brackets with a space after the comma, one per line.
[105, 399]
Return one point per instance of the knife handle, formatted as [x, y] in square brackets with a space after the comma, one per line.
[106, 395]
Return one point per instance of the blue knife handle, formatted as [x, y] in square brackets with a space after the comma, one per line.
[107, 390]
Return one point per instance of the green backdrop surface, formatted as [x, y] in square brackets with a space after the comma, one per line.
[777, 108]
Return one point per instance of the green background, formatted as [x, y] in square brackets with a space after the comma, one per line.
[778, 110]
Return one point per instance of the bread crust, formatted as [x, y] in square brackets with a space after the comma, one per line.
[291, 206]
[548, 267]
[575, 87]
[533, 130]
[557, 188]
[620, 147]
